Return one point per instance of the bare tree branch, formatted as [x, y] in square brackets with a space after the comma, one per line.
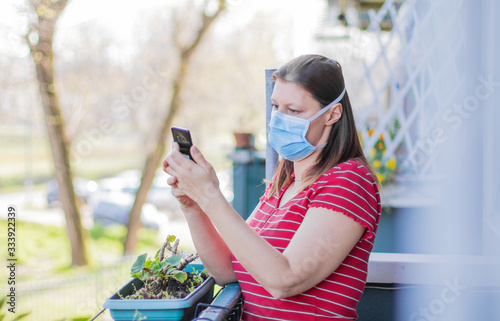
[153, 159]
[207, 22]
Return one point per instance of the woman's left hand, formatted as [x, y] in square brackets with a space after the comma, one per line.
[196, 180]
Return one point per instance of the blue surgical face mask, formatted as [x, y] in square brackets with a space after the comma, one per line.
[287, 134]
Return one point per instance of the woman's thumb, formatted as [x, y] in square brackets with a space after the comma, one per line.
[199, 158]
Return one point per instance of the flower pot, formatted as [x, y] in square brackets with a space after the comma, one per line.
[244, 140]
[161, 309]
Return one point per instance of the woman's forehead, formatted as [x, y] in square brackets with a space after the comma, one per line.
[290, 92]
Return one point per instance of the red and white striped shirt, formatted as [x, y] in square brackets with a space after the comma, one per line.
[348, 188]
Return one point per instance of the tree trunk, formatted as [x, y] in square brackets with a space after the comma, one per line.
[154, 157]
[42, 55]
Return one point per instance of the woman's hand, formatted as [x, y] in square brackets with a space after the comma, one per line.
[213, 251]
[191, 182]
[183, 199]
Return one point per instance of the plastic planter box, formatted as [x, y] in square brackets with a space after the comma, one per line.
[161, 309]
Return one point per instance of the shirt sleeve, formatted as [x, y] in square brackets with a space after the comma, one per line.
[350, 189]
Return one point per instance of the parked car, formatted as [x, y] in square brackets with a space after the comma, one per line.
[159, 194]
[114, 208]
[115, 195]
[84, 189]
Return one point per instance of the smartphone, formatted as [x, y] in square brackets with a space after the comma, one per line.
[183, 138]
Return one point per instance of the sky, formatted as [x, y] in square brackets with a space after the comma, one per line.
[121, 16]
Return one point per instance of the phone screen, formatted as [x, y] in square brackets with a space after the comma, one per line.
[182, 136]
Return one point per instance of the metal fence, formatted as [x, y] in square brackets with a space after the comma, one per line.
[65, 298]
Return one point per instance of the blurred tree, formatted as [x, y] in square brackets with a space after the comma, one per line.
[91, 79]
[39, 38]
[88, 80]
[236, 64]
[224, 89]
[187, 44]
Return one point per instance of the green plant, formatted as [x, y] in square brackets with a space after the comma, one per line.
[163, 277]
[384, 168]
[2, 315]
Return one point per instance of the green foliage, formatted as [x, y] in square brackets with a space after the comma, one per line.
[145, 268]
[174, 259]
[155, 273]
[178, 275]
[2, 315]
[138, 265]
[384, 168]
[46, 253]
[138, 316]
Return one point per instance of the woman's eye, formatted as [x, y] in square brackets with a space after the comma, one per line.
[288, 110]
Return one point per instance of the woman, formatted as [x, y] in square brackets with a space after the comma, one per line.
[303, 252]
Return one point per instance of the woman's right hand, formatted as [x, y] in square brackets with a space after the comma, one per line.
[185, 201]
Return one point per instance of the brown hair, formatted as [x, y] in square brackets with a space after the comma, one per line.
[322, 77]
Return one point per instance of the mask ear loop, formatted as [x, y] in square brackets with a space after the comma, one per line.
[327, 107]
[321, 112]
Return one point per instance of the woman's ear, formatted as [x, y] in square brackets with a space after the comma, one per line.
[334, 114]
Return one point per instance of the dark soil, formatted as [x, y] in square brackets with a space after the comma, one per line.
[167, 288]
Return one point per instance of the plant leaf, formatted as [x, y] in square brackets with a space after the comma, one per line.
[22, 316]
[171, 238]
[180, 276]
[158, 266]
[174, 259]
[138, 264]
[148, 264]
[2, 301]
[157, 255]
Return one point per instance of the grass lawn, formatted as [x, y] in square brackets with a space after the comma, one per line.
[46, 284]
[50, 289]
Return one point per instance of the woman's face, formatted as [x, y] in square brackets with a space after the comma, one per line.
[292, 99]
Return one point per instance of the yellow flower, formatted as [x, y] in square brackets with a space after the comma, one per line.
[380, 177]
[380, 145]
[376, 163]
[391, 164]
[372, 153]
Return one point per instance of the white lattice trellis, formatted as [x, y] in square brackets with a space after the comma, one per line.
[417, 81]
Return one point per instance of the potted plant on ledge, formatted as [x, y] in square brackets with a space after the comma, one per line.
[163, 288]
